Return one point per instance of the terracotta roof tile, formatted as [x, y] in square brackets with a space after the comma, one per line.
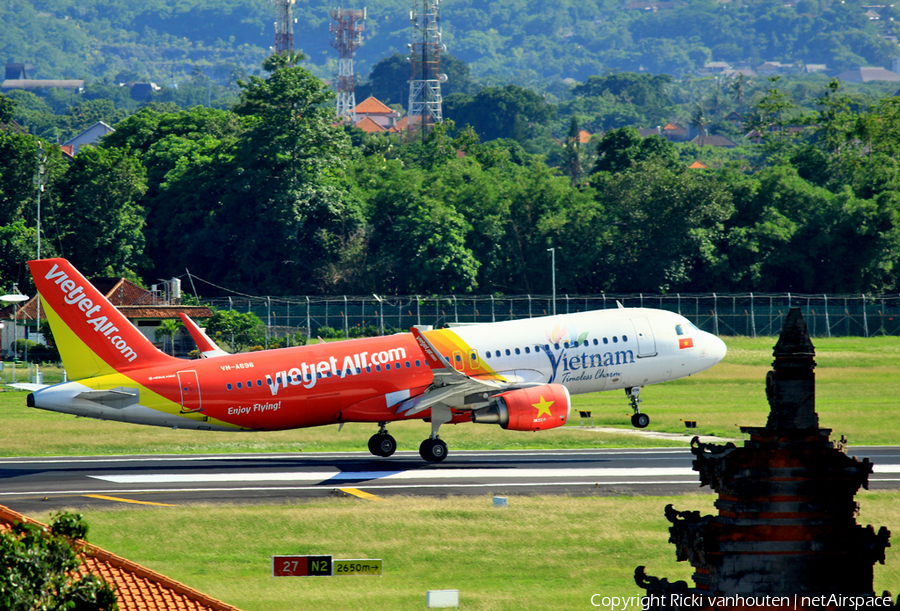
[137, 588]
[369, 126]
[373, 106]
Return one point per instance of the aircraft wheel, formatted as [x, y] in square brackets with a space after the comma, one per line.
[433, 450]
[382, 445]
[640, 421]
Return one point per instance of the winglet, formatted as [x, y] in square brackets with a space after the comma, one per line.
[93, 337]
[432, 356]
[204, 343]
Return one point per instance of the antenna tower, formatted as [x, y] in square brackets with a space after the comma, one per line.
[284, 26]
[425, 60]
[347, 39]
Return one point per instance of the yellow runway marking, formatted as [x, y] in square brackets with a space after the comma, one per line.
[114, 498]
[361, 494]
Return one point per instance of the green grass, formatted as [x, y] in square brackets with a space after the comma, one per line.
[857, 382]
[539, 553]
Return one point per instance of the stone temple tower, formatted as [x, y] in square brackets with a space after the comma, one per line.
[786, 523]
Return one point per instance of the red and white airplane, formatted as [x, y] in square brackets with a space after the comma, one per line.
[517, 374]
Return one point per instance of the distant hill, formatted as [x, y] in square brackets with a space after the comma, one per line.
[514, 41]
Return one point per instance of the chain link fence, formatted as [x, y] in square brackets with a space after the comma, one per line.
[745, 314]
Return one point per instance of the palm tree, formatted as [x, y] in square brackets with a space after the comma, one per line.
[168, 328]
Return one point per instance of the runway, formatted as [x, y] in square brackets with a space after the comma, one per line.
[31, 485]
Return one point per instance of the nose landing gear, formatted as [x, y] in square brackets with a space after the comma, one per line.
[638, 420]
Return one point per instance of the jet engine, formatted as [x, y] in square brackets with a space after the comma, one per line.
[528, 409]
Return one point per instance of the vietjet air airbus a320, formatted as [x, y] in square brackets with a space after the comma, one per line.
[517, 374]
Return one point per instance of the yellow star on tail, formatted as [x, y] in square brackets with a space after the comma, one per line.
[543, 407]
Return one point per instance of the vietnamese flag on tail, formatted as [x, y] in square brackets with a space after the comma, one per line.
[687, 342]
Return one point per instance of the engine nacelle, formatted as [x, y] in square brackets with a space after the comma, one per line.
[528, 409]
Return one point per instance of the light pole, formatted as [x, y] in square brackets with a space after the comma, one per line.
[15, 298]
[552, 252]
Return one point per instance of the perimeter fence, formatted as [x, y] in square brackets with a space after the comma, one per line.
[746, 314]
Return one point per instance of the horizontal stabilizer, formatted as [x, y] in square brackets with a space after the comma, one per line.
[28, 386]
[117, 398]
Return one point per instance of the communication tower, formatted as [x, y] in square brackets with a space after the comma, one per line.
[425, 61]
[284, 26]
[347, 30]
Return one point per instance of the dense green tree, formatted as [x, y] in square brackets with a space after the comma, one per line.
[621, 148]
[41, 569]
[100, 217]
[667, 225]
[239, 330]
[500, 112]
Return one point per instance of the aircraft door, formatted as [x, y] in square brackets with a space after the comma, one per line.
[645, 340]
[190, 392]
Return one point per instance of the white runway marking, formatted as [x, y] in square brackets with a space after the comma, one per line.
[436, 474]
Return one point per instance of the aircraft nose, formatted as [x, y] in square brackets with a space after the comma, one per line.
[715, 348]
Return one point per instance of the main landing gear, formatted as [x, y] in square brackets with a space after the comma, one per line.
[638, 420]
[382, 444]
[433, 449]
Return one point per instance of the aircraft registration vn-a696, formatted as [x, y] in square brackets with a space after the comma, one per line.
[517, 374]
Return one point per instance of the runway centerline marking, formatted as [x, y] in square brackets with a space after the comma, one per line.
[426, 474]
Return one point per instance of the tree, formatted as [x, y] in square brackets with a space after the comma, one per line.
[500, 112]
[620, 148]
[573, 155]
[40, 569]
[167, 329]
[240, 330]
[100, 214]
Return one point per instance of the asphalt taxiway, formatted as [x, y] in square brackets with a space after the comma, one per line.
[30, 485]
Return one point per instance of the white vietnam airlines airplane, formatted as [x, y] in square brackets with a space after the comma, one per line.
[517, 374]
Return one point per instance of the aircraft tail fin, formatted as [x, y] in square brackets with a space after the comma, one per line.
[94, 338]
[207, 347]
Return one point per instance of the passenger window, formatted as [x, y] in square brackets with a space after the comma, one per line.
[497, 354]
[508, 352]
[250, 383]
[259, 382]
[605, 340]
[239, 386]
[556, 346]
[418, 363]
[368, 369]
[407, 364]
[228, 386]
[458, 357]
[387, 367]
[615, 339]
[377, 367]
[527, 349]
[474, 356]
[679, 329]
[565, 344]
[596, 343]
[518, 351]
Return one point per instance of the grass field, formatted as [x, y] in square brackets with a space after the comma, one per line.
[858, 386]
[539, 553]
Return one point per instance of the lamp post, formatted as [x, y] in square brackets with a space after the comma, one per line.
[552, 252]
[15, 298]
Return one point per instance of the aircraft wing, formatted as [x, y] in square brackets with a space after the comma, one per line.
[450, 387]
[206, 345]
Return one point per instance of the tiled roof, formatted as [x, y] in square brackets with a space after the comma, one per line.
[132, 300]
[369, 126]
[137, 588]
[698, 165]
[373, 106]
[163, 311]
[584, 136]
